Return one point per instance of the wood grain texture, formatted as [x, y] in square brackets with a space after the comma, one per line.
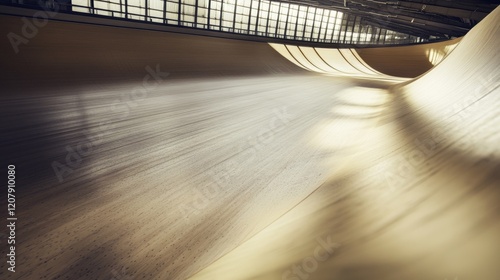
[67, 53]
[238, 164]
[418, 199]
[407, 61]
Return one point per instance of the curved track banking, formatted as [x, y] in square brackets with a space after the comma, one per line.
[395, 63]
[418, 199]
[219, 159]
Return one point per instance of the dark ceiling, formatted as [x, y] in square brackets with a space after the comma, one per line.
[422, 18]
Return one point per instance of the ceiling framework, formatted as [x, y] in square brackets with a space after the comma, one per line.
[331, 23]
[432, 19]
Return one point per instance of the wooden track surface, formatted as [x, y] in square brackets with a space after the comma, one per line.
[417, 199]
[395, 61]
[388, 63]
[65, 53]
[240, 165]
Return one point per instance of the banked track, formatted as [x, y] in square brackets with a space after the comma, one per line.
[418, 198]
[231, 146]
[348, 62]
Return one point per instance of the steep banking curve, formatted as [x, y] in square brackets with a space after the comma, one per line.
[333, 62]
[183, 142]
[407, 61]
[420, 197]
[473, 66]
[382, 63]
